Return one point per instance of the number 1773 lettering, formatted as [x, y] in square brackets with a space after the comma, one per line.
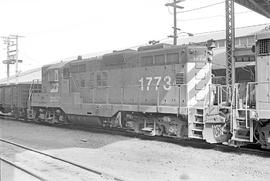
[147, 82]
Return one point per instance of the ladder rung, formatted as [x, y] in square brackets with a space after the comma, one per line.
[243, 110]
[196, 136]
[194, 129]
[200, 108]
[241, 129]
[241, 118]
[241, 139]
[197, 122]
[214, 122]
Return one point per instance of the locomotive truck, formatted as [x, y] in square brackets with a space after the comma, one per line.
[157, 90]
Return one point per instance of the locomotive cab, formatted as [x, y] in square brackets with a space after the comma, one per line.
[52, 78]
[46, 106]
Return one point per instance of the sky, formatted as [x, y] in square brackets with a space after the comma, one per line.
[55, 30]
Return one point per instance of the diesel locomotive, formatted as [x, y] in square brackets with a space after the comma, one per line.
[149, 90]
[160, 89]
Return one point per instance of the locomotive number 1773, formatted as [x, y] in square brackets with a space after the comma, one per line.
[147, 82]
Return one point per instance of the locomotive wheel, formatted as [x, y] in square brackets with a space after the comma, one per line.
[264, 135]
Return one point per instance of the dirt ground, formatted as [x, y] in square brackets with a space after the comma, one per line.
[134, 159]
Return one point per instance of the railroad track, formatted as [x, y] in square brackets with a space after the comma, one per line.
[187, 142]
[102, 175]
[195, 143]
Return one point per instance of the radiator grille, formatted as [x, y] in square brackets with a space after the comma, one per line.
[264, 47]
[180, 79]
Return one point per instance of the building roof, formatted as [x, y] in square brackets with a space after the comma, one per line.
[221, 35]
[219, 59]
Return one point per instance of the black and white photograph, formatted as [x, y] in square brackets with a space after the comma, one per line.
[135, 90]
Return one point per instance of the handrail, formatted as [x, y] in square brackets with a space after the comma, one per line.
[246, 110]
[247, 97]
[265, 82]
[30, 92]
[29, 95]
[158, 97]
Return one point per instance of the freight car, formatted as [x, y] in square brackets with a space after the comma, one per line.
[14, 99]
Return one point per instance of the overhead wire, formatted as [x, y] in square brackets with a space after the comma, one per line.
[202, 7]
[209, 17]
[198, 8]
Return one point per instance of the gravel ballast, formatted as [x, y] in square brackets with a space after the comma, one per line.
[131, 158]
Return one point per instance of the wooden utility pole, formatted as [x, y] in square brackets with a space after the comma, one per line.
[12, 54]
[175, 6]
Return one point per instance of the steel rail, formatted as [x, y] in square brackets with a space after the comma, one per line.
[22, 168]
[102, 174]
